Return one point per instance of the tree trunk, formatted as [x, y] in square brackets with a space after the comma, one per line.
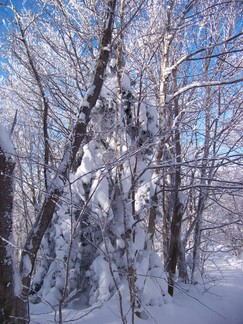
[10, 303]
[197, 242]
[174, 244]
[182, 266]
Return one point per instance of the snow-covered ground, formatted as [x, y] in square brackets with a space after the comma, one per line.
[219, 300]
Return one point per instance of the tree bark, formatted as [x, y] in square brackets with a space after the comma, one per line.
[9, 300]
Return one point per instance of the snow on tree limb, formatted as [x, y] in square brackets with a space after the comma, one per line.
[5, 142]
[202, 84]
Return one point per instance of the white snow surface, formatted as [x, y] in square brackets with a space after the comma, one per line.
[5, 142]
[218, 301]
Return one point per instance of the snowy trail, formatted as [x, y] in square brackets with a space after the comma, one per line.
[219, 301]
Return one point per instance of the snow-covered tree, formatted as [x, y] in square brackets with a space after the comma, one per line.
[128, 117]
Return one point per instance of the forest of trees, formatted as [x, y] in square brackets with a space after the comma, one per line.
[120, 149]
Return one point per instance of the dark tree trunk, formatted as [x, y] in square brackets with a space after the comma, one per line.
[10, 303]
[174, 245]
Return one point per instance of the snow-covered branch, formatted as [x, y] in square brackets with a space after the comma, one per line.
[203, 84]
